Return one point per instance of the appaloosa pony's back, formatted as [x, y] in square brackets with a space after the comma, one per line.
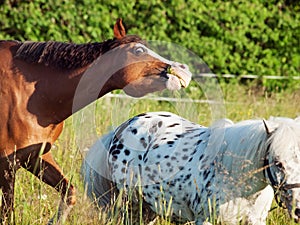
[43, 83]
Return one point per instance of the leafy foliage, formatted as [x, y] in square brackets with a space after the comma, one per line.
[236, 37]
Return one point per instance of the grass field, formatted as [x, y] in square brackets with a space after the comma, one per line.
[35, 202]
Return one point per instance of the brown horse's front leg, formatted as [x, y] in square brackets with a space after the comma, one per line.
[46, 169]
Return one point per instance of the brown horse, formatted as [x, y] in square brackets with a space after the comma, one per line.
[43, 83]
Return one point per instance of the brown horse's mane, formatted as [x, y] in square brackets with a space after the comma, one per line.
[68, 55]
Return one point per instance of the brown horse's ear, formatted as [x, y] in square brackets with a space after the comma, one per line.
[119, 29]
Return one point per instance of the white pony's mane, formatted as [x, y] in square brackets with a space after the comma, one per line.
[249, 139]
[286, 135]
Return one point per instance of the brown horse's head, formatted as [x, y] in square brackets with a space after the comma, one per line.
[138, 70]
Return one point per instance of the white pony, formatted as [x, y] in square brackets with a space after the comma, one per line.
[227, 172]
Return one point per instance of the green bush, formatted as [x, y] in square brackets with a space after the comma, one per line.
[236, 37]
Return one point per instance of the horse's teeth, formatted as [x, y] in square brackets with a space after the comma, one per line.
[182, 81]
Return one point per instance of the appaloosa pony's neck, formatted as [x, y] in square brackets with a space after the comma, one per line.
[244, 148]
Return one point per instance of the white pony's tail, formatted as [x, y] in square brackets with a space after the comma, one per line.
[96, 174]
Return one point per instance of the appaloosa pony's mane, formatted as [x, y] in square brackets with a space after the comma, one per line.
[288, 129]
[68, 55]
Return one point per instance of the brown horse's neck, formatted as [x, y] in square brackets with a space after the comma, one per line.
[67, 77]
[64, 56]
[64, 93]
[67, 56]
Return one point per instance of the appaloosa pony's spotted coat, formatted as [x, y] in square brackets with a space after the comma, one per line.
[227, 172]
[43, 83]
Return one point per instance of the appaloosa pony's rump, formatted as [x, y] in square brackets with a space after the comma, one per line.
[43, 83]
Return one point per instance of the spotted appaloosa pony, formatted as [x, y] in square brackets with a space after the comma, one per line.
[227, 172]
[43, 83]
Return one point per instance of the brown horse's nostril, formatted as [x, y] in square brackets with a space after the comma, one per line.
[182, 66]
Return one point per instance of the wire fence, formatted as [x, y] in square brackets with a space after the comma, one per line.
[157, 98]
[203, 75]
[249, 76]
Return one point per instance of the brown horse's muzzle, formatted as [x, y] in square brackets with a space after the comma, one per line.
[182, 72]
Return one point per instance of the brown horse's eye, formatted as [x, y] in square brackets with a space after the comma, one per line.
[139, 50]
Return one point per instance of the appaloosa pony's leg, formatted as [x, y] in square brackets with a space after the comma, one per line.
[46, 169]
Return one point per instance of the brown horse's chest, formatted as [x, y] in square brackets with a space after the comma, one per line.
[27, 136]
[20, 128]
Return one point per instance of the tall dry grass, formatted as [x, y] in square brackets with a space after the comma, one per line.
[35, 202]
